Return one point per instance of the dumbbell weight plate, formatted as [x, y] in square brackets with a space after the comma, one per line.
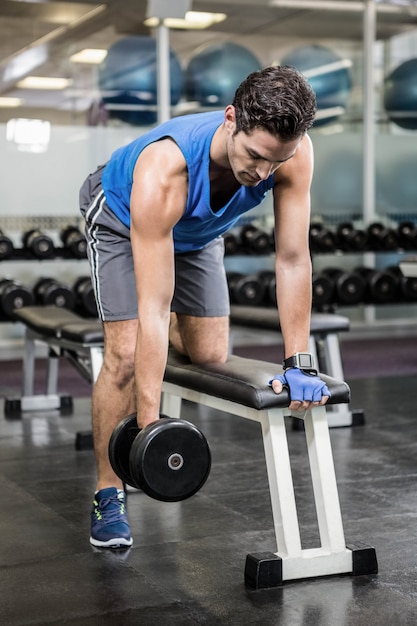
[170, 459]
[120, 445]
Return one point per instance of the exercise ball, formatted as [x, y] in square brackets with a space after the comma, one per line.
[215, 71]
[399, 186]
[336, 190]
[128, 77]
[400, 95]
[329, 77]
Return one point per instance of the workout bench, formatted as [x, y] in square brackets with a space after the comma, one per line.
[324, 346]
[239, 387]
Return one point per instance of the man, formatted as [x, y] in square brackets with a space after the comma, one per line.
[154, 215]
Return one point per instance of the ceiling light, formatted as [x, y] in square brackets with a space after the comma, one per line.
[44, 82]
[6, 103]
[89, 55]
[194, 20]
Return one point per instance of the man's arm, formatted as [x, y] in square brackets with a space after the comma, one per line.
[293, 262]
[158, 200]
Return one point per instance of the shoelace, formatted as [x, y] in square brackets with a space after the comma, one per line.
[112, 514]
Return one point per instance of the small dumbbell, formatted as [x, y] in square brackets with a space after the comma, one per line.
[14, 295]
[169, 460]
[245, 289]
[407, 284]
[381, 238]
[322, 239]
[85, 299]
[50, 291]
[381, 286]
[6, 246]
[322, 290]
[231, 243]
[407, 235]
[74, 241]
[39, 244]
[268, 280]
[351, 239]
[255, 240]
[349, 287]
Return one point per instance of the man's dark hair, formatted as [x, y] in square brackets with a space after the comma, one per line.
[276, 99]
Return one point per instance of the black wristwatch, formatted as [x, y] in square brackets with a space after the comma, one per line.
[302, 360]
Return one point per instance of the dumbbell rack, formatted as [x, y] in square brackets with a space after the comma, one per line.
[366, 312]
[23, 266]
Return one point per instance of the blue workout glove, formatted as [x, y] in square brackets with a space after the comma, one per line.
[303, 386]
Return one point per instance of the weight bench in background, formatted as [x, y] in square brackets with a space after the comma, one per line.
[238, 387]
[324, 346]
[66, 335]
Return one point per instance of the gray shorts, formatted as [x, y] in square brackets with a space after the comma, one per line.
[200, 277]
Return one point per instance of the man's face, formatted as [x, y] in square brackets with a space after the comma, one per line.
[254, 157]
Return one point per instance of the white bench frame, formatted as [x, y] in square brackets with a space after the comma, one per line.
[332, 556]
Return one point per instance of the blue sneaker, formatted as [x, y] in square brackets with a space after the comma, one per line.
[109, 525]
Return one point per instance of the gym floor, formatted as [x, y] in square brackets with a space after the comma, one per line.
[187, 562]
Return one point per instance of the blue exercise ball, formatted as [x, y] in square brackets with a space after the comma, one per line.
[400, 95]
[329, 77]
[128, 78]
[399, 186]
[215, 71]
[337, 184]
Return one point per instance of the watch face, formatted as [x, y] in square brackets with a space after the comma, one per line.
[305, 360]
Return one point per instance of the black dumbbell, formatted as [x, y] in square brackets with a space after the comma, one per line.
[85, 300]
[268, 280]
[50, 291]
[231, 243]
[38, 243]
[381, 238]
[6, 246]
[14, 295]
[381, 286]
[407, 235]
[170, 459]
[255, 240]
[348, 287]
[245, 289]
[322, 239]
[351, 239]
[74, 241]
[322, 290]
[407, 284]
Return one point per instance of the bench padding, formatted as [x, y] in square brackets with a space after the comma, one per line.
[45, 320]
[267, 318]
[241, 380]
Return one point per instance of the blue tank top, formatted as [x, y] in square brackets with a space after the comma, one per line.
[199, 224]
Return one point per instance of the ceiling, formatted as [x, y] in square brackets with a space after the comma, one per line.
[51, 31]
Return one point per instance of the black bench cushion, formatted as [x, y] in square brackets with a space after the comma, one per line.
[86, 332]
[54, 321]
[241, 380]
[46, 320]
[267, 318]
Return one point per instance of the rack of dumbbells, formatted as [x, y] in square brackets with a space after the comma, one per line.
[344, 270]
[34, 256]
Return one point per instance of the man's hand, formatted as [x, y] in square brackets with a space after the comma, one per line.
[306, 390]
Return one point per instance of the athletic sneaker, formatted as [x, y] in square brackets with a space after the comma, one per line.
[109, 525]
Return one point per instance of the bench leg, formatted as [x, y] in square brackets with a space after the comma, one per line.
[29, 401]
[326, 350]
[291, 562]
[38, 402]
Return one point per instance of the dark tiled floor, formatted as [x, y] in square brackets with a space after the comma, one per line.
[186, 565]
